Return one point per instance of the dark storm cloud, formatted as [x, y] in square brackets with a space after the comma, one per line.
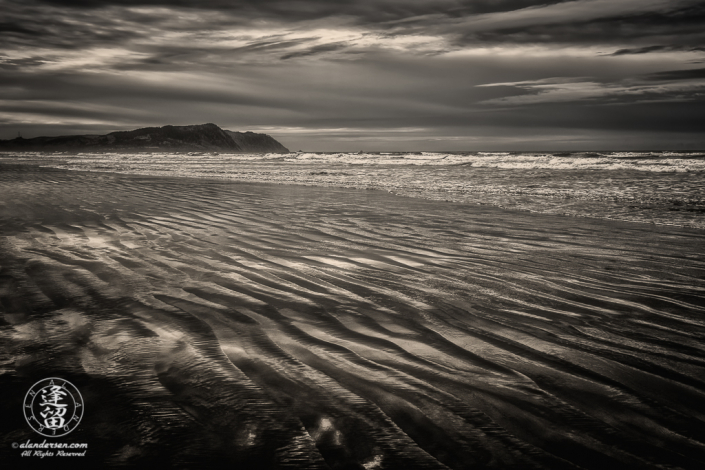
[682, 25]
[24, 62]
[33, 26]
[7, 27]
[692, 74]
[566, 24]
[648, 49]
[113, 90]
[336, 46]
[180, 57]
[75, 24]
[366, 11]
[447, 68]
[272, 44]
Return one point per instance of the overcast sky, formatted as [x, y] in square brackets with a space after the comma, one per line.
[362, 75]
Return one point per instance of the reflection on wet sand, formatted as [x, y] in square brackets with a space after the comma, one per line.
[208, 322]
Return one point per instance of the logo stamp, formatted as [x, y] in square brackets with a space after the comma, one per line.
[53, 407]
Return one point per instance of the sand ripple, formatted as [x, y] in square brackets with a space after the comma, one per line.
[289, 327]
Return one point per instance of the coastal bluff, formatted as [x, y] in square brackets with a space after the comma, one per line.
[257, 143]
[194, 138]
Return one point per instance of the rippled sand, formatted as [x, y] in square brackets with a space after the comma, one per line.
[663, 188]
[211, 323]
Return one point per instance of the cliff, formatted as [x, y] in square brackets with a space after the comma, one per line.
[257, 143]
[202, 137]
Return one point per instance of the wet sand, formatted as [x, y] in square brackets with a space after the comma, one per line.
[662, 188]
[212, 323]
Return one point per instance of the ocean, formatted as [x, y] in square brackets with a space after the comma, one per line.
[656, 187]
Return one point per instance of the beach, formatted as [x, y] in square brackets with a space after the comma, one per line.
[222, 322]
[655, 187]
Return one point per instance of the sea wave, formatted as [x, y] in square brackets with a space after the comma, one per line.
[640, 161]
[650, 187]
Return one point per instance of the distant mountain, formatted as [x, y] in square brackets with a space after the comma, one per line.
[201, 137]
[256, 143]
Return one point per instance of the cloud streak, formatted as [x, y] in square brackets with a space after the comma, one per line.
[451, 69]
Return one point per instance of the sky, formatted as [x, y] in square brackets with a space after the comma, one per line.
[386, 75]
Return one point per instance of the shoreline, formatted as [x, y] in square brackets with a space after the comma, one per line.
[559, 205]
